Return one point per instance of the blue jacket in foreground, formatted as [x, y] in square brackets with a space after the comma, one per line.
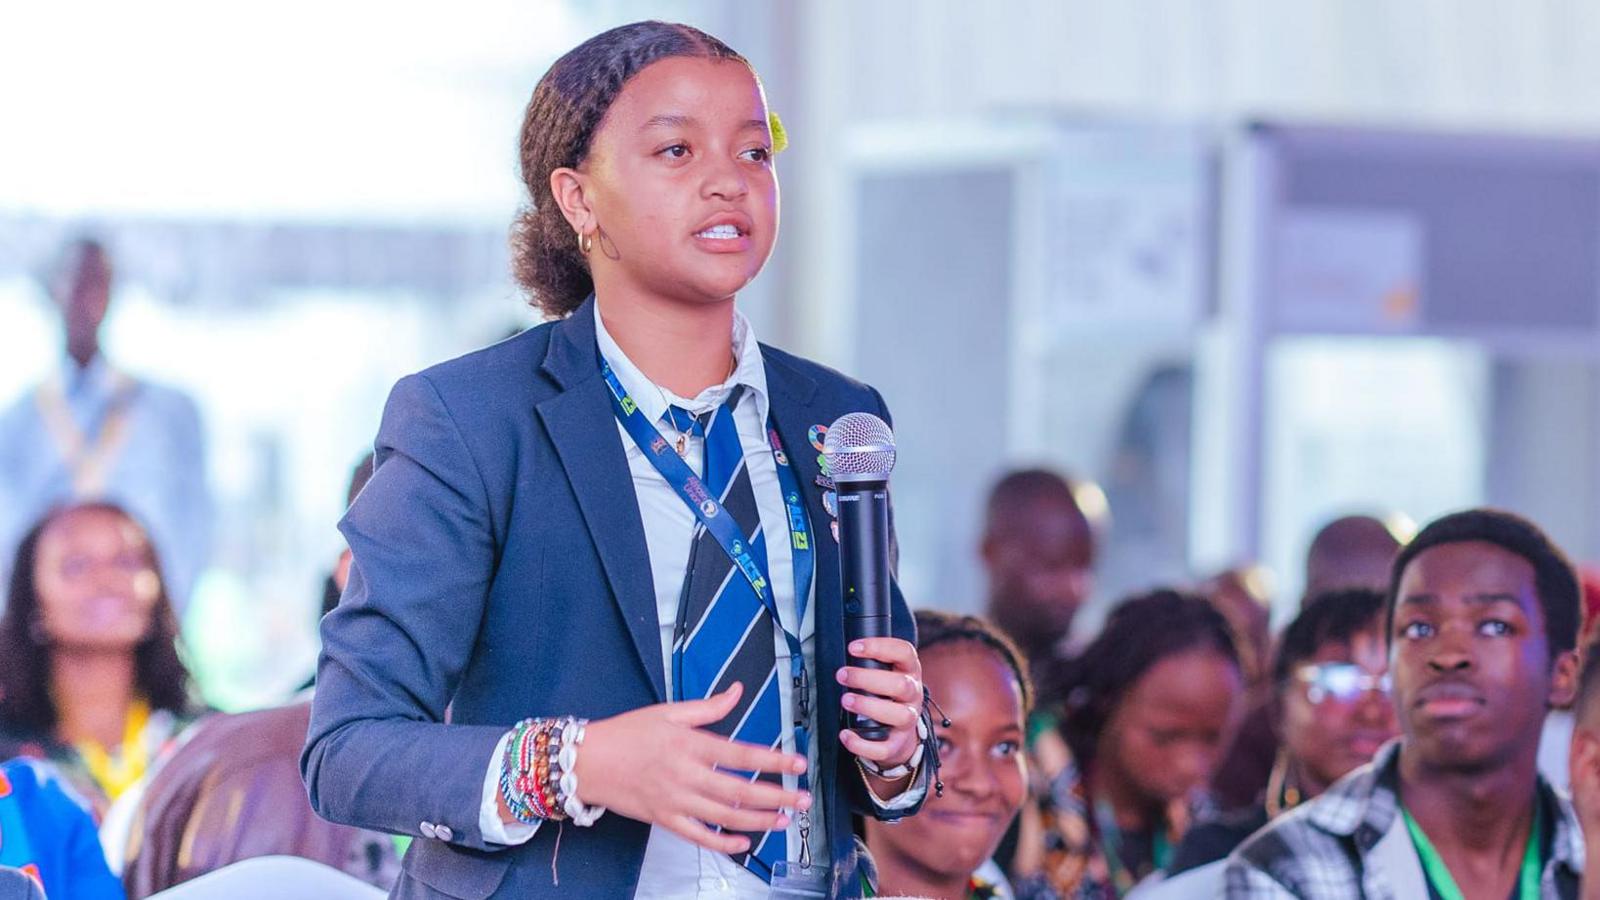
[500, 569]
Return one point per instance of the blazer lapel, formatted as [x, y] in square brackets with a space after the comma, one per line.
[580, 423]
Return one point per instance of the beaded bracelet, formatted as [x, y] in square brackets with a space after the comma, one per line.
[572, 732]
[522, 802]
[538, 773]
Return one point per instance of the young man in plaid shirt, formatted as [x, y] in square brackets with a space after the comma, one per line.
[1483, 616]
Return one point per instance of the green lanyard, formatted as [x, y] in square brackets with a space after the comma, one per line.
[1443, 882]
[1124, 878]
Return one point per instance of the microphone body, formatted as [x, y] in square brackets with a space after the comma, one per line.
[860, 451]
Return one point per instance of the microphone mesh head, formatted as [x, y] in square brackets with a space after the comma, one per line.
[859, 447]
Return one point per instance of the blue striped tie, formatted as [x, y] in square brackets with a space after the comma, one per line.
[724, 632]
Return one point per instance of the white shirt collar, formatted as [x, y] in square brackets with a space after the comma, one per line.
[653, 399]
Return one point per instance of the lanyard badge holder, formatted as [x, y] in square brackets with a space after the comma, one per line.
[798, 882]
[801, 879]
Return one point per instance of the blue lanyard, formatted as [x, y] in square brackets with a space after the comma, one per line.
[712, 517]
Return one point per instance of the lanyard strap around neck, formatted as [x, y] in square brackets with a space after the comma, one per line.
[1114, 845]
[1445, 884]
[720, 524]
[88, 462]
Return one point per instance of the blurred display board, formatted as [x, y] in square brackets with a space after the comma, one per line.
[1487, 237]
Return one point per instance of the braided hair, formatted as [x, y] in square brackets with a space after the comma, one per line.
[566, 110]
[1140, 632]
[936, 628]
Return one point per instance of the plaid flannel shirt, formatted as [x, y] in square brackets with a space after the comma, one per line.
[1323, 850]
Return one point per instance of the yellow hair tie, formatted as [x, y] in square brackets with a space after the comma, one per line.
[780, 137]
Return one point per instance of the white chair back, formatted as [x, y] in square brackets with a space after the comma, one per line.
[272, 878]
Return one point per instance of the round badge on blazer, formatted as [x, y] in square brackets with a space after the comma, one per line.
[834, 527]
[815, 434]
[830, 502]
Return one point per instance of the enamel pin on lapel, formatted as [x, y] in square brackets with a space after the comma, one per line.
[815, 434]
[830, 500]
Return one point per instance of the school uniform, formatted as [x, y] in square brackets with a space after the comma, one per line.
[517, 554]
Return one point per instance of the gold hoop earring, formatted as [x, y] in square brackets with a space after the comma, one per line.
[585, 242]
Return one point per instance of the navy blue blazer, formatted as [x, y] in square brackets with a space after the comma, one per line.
[500, 570]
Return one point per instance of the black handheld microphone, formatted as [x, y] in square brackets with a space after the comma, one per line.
[859, 448]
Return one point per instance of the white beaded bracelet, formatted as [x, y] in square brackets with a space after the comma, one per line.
[898, 772]
[907, 767]
[572, 731]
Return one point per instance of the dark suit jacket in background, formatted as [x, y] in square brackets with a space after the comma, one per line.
[500, 569]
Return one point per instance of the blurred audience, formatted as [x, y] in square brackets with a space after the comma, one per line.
[1333, 711]
[47, 834]
[90, 676]
[93, 432]
[1354, 551]
[1482, 620]
[1149, 707]
[977, 678]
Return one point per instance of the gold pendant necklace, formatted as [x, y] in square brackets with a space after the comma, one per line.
[681, 442]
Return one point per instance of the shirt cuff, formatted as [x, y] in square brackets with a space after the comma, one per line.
[490, 825]
[913, 793]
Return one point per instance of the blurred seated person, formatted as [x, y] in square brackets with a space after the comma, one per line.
[1354, 551]
[90, 676]
[333, 588]
[1348, 552]
[1481, 624]
[1556, 739]
[1150, 705]
[1243, 597]
[976, 676]
[1332, 711]
[46, 834]
[93, 432]
[1584, 762]
[232, 791]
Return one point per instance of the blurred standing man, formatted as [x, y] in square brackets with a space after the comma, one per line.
[1040, 540]
[93, 432]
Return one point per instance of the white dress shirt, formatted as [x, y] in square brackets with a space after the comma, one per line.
[673, 867]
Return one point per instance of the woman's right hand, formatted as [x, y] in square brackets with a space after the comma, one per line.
[657, 764]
